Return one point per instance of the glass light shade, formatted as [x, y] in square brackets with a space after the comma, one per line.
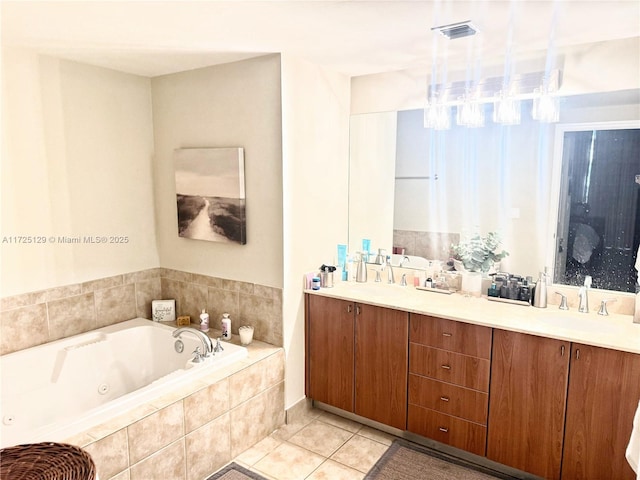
[506, 109]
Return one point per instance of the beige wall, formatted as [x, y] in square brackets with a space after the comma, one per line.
[315, 127]
[76, 161]
[231, 105]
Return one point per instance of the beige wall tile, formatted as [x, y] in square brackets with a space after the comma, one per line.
[155, 431]
[206, 280]
[71, 316]
[176, 274]
[166, 464]
[16, 301]
[141, 276]
[64, 291]
[206, 404]
[223, 301]
[208, 448]
[23, 327]
[252, 380]
[265, 315]
[114, 305]
[102, 283]
[255, 419]
[110, 454]
[190, 298]
[146, 292]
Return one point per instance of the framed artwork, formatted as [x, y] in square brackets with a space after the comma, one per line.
[210, 194]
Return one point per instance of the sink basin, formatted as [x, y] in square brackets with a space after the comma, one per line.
[587, 324]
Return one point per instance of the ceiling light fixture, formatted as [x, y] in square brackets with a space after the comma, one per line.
[457, 30]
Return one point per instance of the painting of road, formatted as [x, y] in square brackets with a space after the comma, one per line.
[210, 194]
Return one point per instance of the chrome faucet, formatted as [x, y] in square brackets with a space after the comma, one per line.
[404, 259]
[390, 276]
[584, 298]
[207, 344]
[603, 306]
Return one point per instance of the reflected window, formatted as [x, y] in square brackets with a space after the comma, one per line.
[599, 212]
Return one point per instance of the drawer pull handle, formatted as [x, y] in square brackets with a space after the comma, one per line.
[446, 367]
[444, 399]
[447, 335]
[443, 429]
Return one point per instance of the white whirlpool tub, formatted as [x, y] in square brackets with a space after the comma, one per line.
[61, 388]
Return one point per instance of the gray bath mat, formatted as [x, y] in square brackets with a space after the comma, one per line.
[233, 471]
[408, 461]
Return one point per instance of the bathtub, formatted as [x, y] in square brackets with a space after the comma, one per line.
[56, 390]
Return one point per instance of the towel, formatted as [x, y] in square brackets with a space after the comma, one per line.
[633, 449]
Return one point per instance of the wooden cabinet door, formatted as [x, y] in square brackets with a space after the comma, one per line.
[604, 390]
[330, 351]
[527, 402]
[382, 338]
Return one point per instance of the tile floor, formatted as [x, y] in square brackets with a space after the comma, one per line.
[323, 446]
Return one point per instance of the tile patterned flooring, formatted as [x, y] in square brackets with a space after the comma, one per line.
[322, 446]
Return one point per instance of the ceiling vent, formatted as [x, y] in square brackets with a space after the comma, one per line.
[457, 30]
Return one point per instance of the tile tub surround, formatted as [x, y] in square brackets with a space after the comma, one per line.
[34, 318]
[195, 430]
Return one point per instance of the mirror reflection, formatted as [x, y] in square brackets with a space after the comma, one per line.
[449, 185]
[598, 212]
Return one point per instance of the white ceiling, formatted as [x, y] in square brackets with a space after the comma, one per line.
[350, 36]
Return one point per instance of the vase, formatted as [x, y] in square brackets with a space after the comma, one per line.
[471, 284]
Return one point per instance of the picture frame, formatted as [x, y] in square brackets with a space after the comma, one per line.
[163, 310]
[210, 194]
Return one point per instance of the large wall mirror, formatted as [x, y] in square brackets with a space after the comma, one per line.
[424, 189]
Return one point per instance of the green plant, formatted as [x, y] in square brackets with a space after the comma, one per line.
[479, 254]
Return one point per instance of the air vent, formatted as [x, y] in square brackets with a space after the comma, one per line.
[457, 30]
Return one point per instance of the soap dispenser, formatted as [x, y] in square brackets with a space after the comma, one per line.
[540, 291]
[361, 272]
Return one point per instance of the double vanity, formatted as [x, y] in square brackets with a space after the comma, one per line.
[545, 391]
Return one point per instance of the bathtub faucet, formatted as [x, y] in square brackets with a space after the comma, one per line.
[207, 344]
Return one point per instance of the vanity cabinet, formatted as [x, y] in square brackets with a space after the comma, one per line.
[381, 364]
[330, 334]
[604, 390]
[449, 364]
[529, 377]
[356, 358]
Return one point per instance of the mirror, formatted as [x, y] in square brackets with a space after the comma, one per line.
[439, 186]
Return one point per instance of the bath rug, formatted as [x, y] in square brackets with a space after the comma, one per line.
[405, 460]
[233, 471]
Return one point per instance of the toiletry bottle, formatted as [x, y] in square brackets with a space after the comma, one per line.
[361, 273]
[540, 292]
[204, 321]
[226, 326]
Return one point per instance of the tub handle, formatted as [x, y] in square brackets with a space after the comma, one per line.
[198, 357]
[218, 348]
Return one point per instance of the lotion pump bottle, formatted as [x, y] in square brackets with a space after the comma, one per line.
[204, 321]
[226, 326]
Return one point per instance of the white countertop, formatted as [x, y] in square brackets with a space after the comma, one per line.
[614, 331]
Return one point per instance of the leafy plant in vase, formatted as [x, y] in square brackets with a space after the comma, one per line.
[476, 255]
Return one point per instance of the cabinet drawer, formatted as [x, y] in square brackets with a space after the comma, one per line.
[447, 429]
[458, 337]
[470, 372]
[446, 398]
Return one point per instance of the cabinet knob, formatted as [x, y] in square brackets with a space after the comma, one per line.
[443, 429]
[446, 367]
[444, 399]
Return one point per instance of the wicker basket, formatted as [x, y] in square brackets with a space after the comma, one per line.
[46, 461]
